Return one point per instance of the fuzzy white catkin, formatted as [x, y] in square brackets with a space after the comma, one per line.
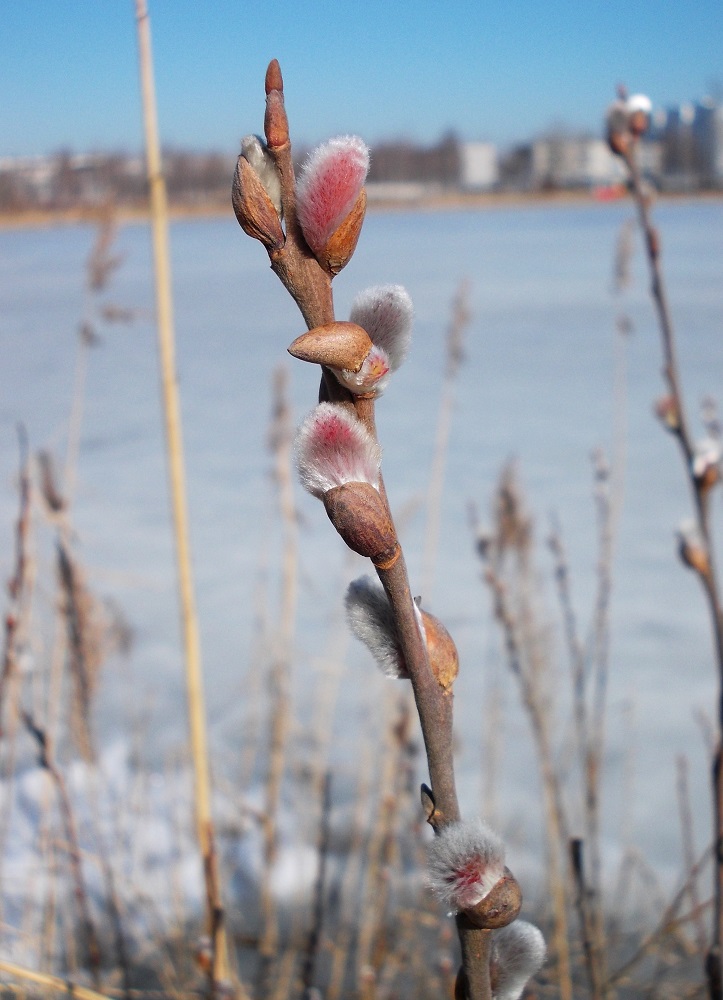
[258, 156]
[332, 448]
[466, 860]
[370, 618]
[386, 313]
[518, 952]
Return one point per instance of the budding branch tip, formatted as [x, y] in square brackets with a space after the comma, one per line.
[274, 79]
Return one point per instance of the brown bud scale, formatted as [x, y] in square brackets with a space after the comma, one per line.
[276, 124]
[443, 656]
[337, 345]
[358, 513]
[499, 907]
[342, 243]
[254, 209]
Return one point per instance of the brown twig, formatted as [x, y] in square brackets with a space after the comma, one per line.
[46, 761]
[705, 568]
[310, 285]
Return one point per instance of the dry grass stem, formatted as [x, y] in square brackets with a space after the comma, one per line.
[220, 970]
[458, 324]
[700, 488]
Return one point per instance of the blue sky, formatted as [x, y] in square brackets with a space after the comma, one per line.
[492, 69]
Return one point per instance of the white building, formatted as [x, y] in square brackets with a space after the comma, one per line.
[572, 161]
[479, 169]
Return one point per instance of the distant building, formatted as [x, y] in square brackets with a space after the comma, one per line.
[478, 167]
[561, 161]
[692, 140]
[708, 138]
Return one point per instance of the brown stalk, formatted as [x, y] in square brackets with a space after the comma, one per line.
[707, 572]
[87, 924]
[308, 971]
[280, 679]
[49, 982]
[310, 286]
[454, 356]
[688, 839]
[177, 487]
[552, 797]
[17, 620]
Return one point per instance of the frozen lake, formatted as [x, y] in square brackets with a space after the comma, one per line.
[536, 385]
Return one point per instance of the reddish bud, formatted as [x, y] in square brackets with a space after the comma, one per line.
[274, 80]
[276, 124]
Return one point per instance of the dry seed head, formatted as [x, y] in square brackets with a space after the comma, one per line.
[518, 952]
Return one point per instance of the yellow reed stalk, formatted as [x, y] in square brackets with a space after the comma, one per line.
[174, 446]
[51, 982]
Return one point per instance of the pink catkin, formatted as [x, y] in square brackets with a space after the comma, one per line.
[328, 186]
[333, 448]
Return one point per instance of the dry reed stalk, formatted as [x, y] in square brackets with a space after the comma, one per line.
[313, 944]
[588, 671]
[688, 841]
[373, 914]
[458, 323]
[280, 442]
[220, 970]
[87, 925]
[700, 488]
[351, 882]
[17, 627]
[666, 923]
[508, 573]
[50, 982]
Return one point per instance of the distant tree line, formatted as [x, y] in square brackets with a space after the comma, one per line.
[66, 180]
